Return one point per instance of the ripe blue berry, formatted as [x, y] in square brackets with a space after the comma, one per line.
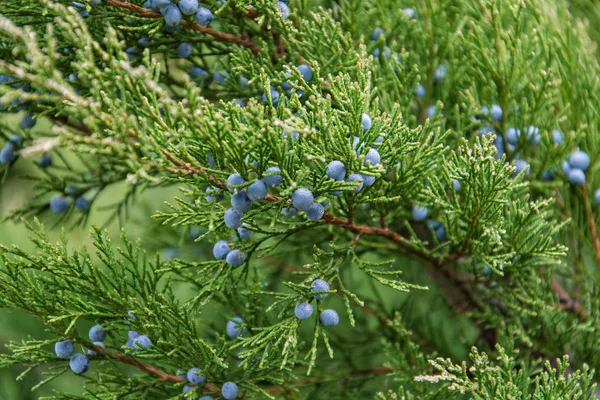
[419, 213]
[356, 178]
[220, 76]
[184, 50]
[129, 343]
[131, 315]
[233, 218]
[132, 334]
[257, 191]
[211, 197]
[566, 167]
[420, 92]
[366, 122]
[234, 181]
[372, 157]
[329, 318]
[377, 33]
[439, 74]
[409, 12]
[188, 7]
[45, 161]
[230, 389]
[195, 376]
[284, 9]
[289, 211]
[440, 233]
[512, 135]
[336, 170]
[274, 96]
[433, 224]
[197, 73]
[17, 140]
[496, 112]
[96, 334]
[81, 203]
[456, 184]
[368, 180]
[234, 327]
[302, 199]
[7, 155]
[97, 344]
[221, 249]
[79, 363]
[64, 349]
[235, 258]
[142, 341]
[241, 202]
[172, 15]
[431, 111]
[319, 285]
[557, 137]
[204, 16]
[533, 135]
[28, 122]
[547, 175]
[597, 196]
[272, 177]
[577, 176]
[521, 165]
[306, 72]
[59, 204]
[244, 232]
[160, 5]
[315, 212]
[303, 311]
[579, 159]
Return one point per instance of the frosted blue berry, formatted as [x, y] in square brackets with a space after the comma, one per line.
[274, 96]
[221, 249]
[59, 204]
[229, 389]
[284, 9]
[440, 233]
[496, 112]
[409, 12]
[196, 376]
[197, 73]
[244, 232]
[96, 334]
[289, 211]
[522, 165]
[302, 199]
[356, 178]
[419, 213]
[431, 110]
[144, 42]
[241, 202]
[234, 181]
[336, 170]
[597, 196]
[79, 363]
[132, 334]
[234, 327]
[305, 71]
[45, 161]
[577, 177]
[81, 203]
[303, 311]
[7, 155]
[315, 212]
[172, 15]
[377, 33]
[557, 137]
[15, 139]
[211, 197]
[329, 318]
[28, 122]
[220, 76]
[184, 50]
[366, 122]
[97, 344]
[233, 218]
[579, 159]
[440, 73]
[368, 180]
[204, 16]
[272, 177]
[456, 184]
[235, 257]
[566, 167]
[512, 135]
[372, 157]
[142, 341]
[64, 349]
[319, 285]
[188, 7]
[433, 224]
[420, 92]
[257, 191]
[533, 134]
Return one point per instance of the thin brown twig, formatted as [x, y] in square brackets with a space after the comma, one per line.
[591, 222]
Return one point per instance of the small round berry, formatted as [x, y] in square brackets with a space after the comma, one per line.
[522, 165]
[533, 134]
[220, 76]
[496, 112]
[7, 155]
[230, 389]
[129, 343]
[64, 349]
[336, 170]
[196, 376]
[409, 12]
[315, 212]
[188, 7]
[142, 341]
[257, 191]
[234, 181]
[512, 135]
[368, 180]
[329, 318]
[159, 5]
[302, 199]
[241, 202]
[204, 16]
[433, 224]
[440, 233]
[377, 33]
[272, 177]
[15, 139]
[233, 218]
[197, 73]
[44, 161]
[419, 213]
[234, 327]
[431, 110]
[132, 334]
[597, 196]
[456, 184]
[172, 15]
[274, 96]
[221, 249]
[577, 177]
[366, 122]
[356, 178]
[305, 71]
[97, 344]
[96, 334]
[319, 285]
[28, 122]
[289, 211]
[184, 50]
[420, 92]
[79, 363]
[244, 232]
[59, 204]
[188, 389]
[547, 175]
[579, 159]
[372, 157]
[557, 137]
[439, 74]
[303, 311]
[235, 258]
[81, 203]
[566, 167]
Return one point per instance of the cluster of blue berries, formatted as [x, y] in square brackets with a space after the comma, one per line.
[305, 310]
[7, 154]
[80, 363]
[60, 203]
[174, 13]
[135, 340]
[574, 168]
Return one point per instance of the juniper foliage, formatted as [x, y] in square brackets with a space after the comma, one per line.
[507, 261]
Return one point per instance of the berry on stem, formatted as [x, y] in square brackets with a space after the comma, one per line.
[64, 349]
[79, 363]
[356, 178]
[576, 177]
[233, 218]
[221, 249]
[96, 334]
[184, 50]
[188, 7]
[244, 233]
[302, 199]
[366, 122]
[44, 161]
[172, 15]
[204, 16]
[579, 159]
[372, 157]
[59, 204]
[315, 212]
[229, 391]
[97, 344]
[419, 213]
[257, 191]
[329, 317]
[303, 311]
[241, 202]
[142, 341]
[234, 327]
[272, 177]
[336, 170]
[319, 285]
[196, 376]
[235, 257]
[7, 155]
[234, 181]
